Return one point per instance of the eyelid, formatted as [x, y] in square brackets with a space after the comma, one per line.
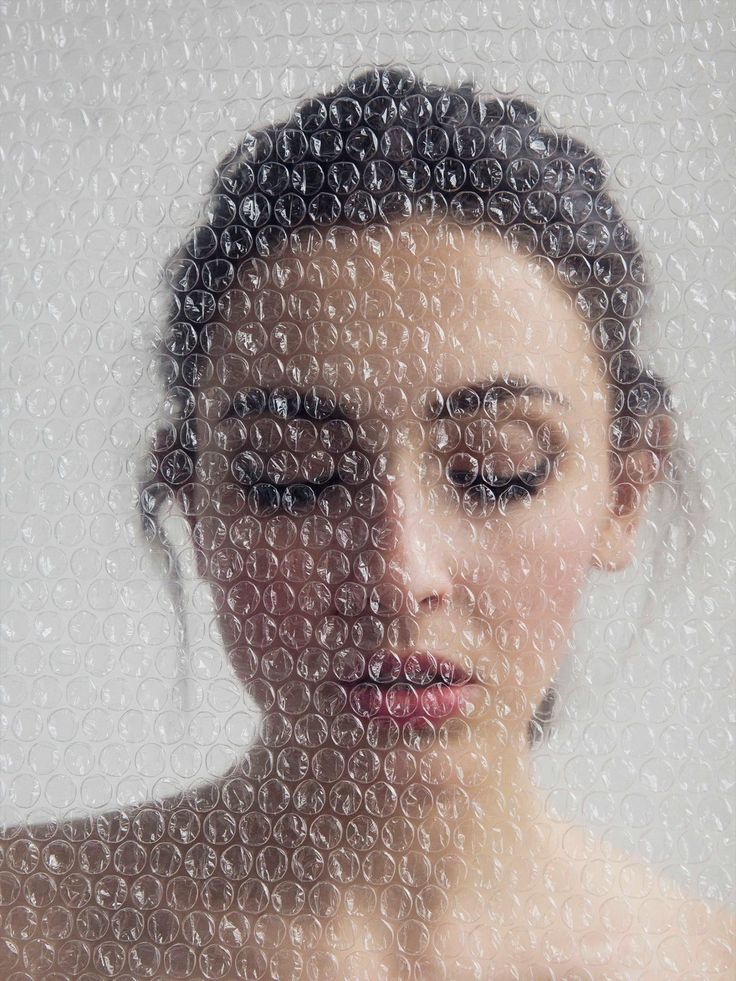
[517, 394]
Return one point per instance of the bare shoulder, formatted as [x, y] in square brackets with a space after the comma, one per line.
[659, 929]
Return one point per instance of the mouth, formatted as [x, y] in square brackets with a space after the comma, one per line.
[412, 685]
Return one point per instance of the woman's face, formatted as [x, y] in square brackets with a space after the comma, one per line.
[443, 481]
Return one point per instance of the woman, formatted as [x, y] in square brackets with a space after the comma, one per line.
[405, 416]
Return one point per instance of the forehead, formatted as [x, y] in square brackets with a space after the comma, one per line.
[412, 305]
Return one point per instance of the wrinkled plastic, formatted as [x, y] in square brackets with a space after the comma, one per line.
[366, 493]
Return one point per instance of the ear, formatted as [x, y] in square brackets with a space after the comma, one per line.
[616, 534]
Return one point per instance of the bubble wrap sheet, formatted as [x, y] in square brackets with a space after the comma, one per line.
[367, 491]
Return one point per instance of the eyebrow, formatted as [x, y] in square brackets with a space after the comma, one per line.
[505, 388]
[509, 386]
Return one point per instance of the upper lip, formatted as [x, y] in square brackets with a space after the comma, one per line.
[414, 666]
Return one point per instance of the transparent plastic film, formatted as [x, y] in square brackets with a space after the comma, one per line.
[366, 415]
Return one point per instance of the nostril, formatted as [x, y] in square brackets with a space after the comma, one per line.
[423, 602]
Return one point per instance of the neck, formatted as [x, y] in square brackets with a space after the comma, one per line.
[431, 854]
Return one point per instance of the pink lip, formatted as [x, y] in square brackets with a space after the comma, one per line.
[413, 685]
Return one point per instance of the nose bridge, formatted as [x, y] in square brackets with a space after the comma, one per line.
[421, 546]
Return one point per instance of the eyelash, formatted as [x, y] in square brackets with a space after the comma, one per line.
[520, 483]
[530, 481]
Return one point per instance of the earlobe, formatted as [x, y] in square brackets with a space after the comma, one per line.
[616, 535]
[638, 472]
[614, 546]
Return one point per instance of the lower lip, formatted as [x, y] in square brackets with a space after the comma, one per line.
[406, 703]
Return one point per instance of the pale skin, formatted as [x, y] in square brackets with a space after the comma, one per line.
[500, 889]
[498, 595]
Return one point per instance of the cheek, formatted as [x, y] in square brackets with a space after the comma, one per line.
[532, 587]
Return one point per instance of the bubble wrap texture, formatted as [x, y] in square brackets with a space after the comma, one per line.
[367, 492]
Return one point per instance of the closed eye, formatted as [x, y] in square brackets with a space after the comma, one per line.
[530, 480]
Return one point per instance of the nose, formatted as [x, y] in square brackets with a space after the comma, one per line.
[418, 544]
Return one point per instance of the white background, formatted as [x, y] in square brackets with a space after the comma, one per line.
[112, 117]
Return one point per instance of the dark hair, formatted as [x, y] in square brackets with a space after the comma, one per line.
[382, 148]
